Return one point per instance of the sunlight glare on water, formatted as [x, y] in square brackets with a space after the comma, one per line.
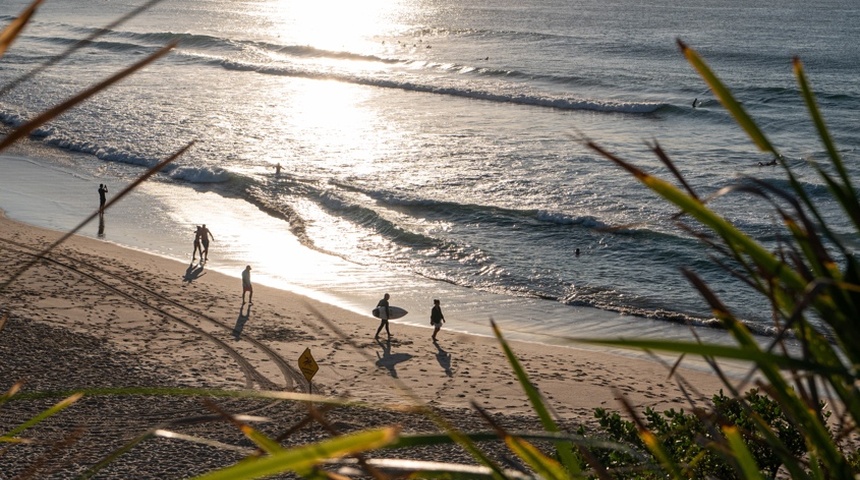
[335, 24]
[336, 118]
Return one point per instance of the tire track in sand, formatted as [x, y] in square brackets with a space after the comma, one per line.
[96, 273]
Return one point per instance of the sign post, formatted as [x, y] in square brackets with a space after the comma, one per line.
[308, 366]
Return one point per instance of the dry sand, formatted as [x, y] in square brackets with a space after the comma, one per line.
[93, 314]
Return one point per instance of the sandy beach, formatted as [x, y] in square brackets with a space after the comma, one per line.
[93, 314]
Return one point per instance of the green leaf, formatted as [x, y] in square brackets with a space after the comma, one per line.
[544, 466]
[845, 193]
[59, 407]
[302, 459]
[720, 351]
[724, 95]
[741, 454]
[564, 448]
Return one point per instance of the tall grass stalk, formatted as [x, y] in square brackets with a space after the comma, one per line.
[811, 281]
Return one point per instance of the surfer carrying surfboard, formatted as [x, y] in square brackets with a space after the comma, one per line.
[384, 315]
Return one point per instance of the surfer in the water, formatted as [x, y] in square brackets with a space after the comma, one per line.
[384, 314]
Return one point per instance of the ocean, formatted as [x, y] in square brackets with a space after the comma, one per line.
[436, 148]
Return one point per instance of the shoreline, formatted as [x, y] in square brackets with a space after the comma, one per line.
[159, 218]
[283, 316]
[95, 314]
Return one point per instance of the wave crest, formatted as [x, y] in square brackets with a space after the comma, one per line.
[200, 174]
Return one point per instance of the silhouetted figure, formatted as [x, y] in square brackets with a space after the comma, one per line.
[205, 235]
[103, 190]
[246, 286]
[197, 247]
[384, 314]
[278, 170]
[694, 102]
[436, 318]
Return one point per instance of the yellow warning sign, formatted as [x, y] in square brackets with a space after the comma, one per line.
[308, 365]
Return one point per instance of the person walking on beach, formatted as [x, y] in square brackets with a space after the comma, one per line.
[246, 286]
[436, 318]
[103, 190]
[205, 235]
[384, 314]
[197, 247]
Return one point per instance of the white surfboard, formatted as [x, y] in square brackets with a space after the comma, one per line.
[396, 312]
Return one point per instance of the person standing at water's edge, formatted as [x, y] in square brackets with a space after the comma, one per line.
[103, 190]
[205, 235]
[197, 247]
[436, 318]
[246, 286]
[384, 314]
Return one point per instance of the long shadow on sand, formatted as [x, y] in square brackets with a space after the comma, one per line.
[444, 359]
[390, 360]
[240, 322]
[193, 272]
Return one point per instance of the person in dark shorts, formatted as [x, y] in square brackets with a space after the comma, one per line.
[436, 318]
[246, 285]
[205, 235]
[384, 314]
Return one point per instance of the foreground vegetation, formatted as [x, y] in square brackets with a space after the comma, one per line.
[799, 423]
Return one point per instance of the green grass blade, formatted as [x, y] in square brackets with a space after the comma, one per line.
[806, 419]
[59, 407]
[564, 449]
[262, 441]
[544, 466]
[741, 454]
[789, 461]
[160, 432]
[846, 193]
[818, 120]
[396, 468]
[302, 459]
[724, 95]
[734, 238]
[754, 355]
[112, 456]
[656, 448]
